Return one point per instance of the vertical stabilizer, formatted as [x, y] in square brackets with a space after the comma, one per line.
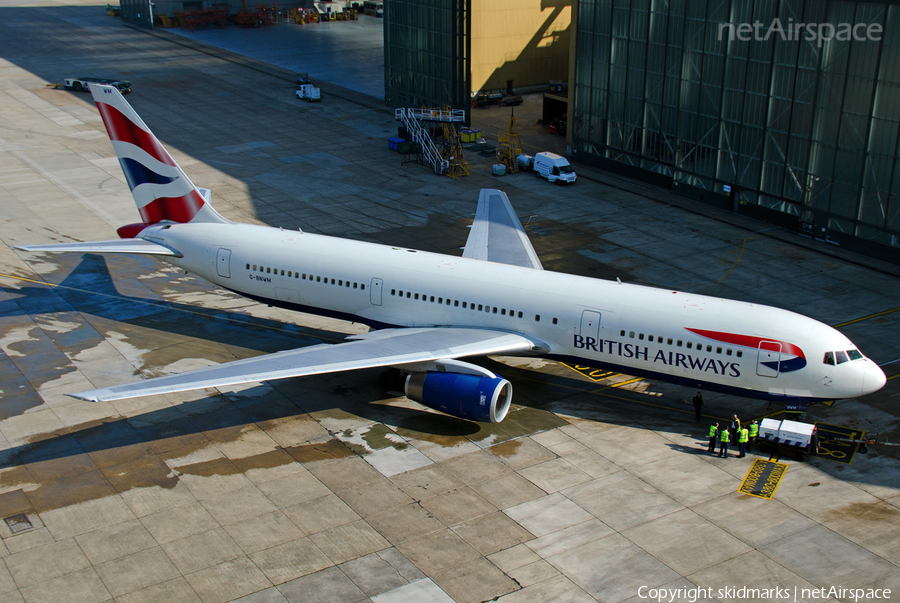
[161, 190]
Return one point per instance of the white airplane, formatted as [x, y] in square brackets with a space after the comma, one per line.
[431, 310]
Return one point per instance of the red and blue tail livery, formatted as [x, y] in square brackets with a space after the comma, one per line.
[161, 190]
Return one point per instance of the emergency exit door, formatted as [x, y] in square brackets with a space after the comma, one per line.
[375, 291]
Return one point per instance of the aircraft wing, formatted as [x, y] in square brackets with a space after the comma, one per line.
[114, 246]
[497, 234]
[380, 348]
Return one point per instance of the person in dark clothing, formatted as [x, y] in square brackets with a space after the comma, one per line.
[698, 405]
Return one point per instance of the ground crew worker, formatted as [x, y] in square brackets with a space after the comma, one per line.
[698, 405]
[744, 435]
[713, 436]
[724, 438]
[754, 431]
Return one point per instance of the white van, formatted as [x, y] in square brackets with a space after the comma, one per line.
[554, 168]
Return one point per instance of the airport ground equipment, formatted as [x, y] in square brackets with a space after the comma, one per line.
[453, 151]
[309, 93]
[509, 147]
[553, 167]
[83, 84]
[787, 437]
[412, 119]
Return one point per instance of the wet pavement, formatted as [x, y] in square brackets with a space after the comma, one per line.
[325, 488]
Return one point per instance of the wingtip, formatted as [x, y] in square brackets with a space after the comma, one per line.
[88, 396]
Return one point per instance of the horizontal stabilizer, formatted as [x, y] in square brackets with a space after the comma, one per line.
[115, 246]
[382, 348]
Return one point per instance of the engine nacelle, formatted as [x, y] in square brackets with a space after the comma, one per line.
[472, 397]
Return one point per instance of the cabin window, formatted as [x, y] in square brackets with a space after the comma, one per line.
[393, 292]
[362, 286]
[678, 343]
[248, 266]
[622, 333]
[332, 281]
[254, 267]
[740, 353]
[431, 299]
[479, 307]
[290, 273]
[318, 279]
[340, 283]
[416, 296]
[521, 314]
[408, 295]
[709, 348]
[268, 271]
[456, 303]
[448, 301]
[355, 285]
[640, 336]
[718, 350]
[631, 334]
[650, 338]
[689, 345]
[659, 340]
[440, 300]
[503, 312]
[555, 321]
[669, 341]
[465, 305]
[537, 318]
[728, 352]
[282, 272]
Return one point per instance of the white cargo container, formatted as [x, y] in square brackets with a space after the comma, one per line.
[788, 435]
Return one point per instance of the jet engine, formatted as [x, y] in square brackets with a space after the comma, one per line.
[472, 397]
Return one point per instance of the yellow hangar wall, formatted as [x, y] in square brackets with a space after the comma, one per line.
[526, 41]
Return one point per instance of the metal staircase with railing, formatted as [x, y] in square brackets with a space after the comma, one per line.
[412, 118]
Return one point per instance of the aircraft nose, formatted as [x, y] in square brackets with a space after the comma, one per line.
[873, 379]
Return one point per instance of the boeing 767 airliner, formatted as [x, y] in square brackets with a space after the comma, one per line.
[429, 311]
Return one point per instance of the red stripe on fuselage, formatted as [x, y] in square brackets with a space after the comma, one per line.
[749, 341]
[177, 209]
[122, 129]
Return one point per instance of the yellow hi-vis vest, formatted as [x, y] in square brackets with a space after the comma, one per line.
[723, 436]
[712, 431]
[743, 436]
[754, 430]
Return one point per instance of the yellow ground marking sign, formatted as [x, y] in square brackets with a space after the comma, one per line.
[763, 478]
[833, 450]
[594, 374]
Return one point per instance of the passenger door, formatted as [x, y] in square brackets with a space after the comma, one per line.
[768, 359]
[223, 263]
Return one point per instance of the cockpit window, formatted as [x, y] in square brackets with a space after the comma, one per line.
[855, 355]
[829, 358]
[841, 357]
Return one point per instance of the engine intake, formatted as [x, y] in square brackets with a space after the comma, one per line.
[471, 397]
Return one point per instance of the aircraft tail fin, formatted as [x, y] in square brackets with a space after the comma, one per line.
[161, 190]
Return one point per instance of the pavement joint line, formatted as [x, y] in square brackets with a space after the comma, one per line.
[862, 318]
[164, 305]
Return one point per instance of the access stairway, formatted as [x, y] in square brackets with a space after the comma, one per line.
[412, 118]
